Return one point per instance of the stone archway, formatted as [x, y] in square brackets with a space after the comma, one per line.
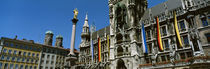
[120, 64]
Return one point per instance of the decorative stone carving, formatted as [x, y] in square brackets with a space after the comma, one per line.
[124, 20]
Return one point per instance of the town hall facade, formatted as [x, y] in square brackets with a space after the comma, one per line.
[120, 45]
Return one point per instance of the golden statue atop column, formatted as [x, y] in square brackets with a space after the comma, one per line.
[75, 13]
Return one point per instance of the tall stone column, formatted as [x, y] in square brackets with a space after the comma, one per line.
[74, 21]
[72, 58]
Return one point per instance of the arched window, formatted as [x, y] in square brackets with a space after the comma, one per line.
[120, 15]
[119, 51]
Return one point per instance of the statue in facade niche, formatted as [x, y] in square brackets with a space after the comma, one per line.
[75, 13]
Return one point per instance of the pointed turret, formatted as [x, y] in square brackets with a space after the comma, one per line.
[85, 30]
[86, 21]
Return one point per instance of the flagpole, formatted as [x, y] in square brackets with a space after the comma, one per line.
[91, 42]
[93, 29]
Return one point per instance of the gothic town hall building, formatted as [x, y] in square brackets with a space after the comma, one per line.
[176, 35]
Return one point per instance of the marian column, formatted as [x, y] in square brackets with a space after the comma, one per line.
[71, 59]
[74, 20]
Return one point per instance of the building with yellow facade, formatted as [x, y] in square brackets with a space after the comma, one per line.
[26, 54]
[19, 54]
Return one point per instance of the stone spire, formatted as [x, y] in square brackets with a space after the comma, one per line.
[85, 30]
[86, 21]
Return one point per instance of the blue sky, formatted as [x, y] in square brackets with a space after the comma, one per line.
[30, 19]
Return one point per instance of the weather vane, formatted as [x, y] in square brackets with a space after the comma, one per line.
[75, 13]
